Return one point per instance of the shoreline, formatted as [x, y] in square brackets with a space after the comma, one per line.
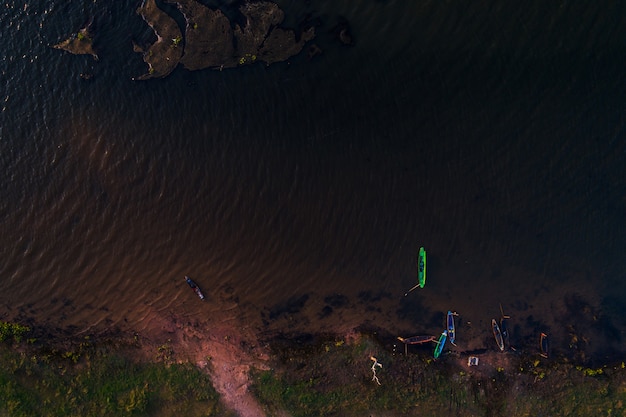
[237, 359]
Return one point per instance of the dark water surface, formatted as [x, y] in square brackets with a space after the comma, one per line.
[297, 195]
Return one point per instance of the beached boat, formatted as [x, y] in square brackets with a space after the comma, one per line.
[440, 344]
[451, 328]
[194, 287]
[544, 343]
[497, 334]
[504, 328]
[421, 270]
[417, 340]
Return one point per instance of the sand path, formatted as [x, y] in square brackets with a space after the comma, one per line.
[223, 346]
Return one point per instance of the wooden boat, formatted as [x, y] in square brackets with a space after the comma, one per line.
[440, 344]
[417, 340]
[421, 270]
[544, 343]
[194, 287]
[451, 328]
[497, 334]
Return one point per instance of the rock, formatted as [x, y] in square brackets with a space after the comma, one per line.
[164, 54]
[282, 44]
[260, 17]
[211, 42]
[208, 37]
[79, 44]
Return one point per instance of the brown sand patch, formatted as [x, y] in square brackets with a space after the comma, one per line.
[226, 350]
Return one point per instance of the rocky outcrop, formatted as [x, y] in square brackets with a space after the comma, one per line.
[164, 54]
[211, 42]
[79, 44]
[208, 36]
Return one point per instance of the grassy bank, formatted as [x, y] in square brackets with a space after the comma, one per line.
[334, 377]
[310, 375]
[97, 379]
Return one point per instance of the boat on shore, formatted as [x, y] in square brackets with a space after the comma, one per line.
[194, 287]
[451, 327]
[421, 270]
[497, 334]
[440, 344]
[417, 340]
[544, 343]
[504, 328]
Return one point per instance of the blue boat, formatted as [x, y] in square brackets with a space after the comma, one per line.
[451, 328]
[440, 344]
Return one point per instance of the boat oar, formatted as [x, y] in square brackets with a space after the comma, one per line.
[502, 313]
[407, 293]
[406, 346]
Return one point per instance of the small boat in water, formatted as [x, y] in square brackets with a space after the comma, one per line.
[544, 343]
[194, 287]
[451, 327]
[421, 267]
[497, 334]
[421, 270]
[440, 344]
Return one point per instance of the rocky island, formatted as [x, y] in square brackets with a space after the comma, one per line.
[80, 43]
[210, 41]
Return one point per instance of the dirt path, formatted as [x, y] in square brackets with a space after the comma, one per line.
[224, 347]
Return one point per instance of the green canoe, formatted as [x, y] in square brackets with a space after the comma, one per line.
[440, 344]
[421, 267]
[421, 270]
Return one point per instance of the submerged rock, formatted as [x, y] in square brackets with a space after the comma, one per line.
[343, 33]
[80, 43]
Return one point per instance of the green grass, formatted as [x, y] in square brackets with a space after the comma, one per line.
[327, 378]
[336, 380]
[12, 332]
[101, 385]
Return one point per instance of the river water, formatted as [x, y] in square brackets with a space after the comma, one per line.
[297, 195]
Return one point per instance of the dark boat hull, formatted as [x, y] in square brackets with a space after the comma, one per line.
[417, 340]
[451, 327]
[497, 334]
[544, 343]
[194, 287]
